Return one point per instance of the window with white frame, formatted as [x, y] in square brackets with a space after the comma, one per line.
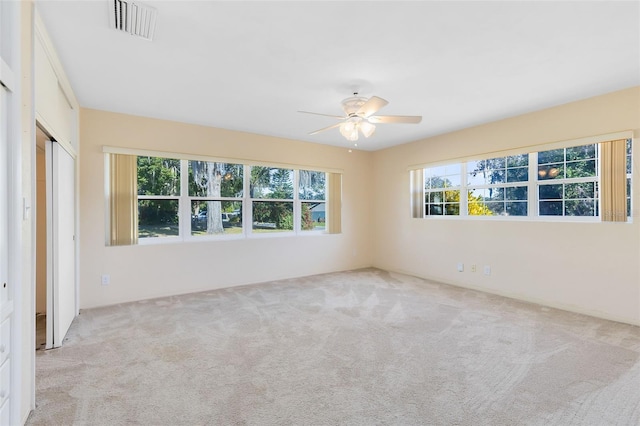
[158, 196]
[442, 190]
[562, 182]
[154, 198]
[271, 196]
[312, 192]
[215, 197]
[568, 181]
[498, 186]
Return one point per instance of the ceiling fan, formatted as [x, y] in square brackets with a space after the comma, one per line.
[359, 117]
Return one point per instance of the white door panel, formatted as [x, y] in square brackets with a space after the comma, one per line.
[61, 286]
[4, 197]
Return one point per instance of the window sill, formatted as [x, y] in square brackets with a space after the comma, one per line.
[549, 219]
[152, 241]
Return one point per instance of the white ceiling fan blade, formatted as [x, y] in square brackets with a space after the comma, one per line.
[371, 106]
[325, 115]
[407, 119]
[325, 128]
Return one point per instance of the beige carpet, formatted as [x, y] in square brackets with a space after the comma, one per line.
[355, 348]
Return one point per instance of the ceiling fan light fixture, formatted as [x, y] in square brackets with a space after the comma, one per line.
[351, 135]
[349, 129]
[360, 117]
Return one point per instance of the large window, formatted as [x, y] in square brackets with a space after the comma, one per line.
[563, 182]
[191, 199]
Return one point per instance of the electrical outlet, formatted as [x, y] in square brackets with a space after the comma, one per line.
[487, 270]
[473, 268]
[460, 267]
[106, 279]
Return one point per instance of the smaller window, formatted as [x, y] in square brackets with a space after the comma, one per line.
[312, 193]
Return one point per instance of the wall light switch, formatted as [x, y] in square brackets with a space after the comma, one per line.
[106, 279]
[460, 267]
[487, 270]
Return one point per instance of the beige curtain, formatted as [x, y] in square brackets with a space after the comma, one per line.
[123, 199]
[613, 181]
[334, 203]
[417, 193]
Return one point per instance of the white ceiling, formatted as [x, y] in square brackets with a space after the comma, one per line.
[250, 66]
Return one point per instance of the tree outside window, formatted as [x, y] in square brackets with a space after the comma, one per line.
[215, 191]
[158, 196]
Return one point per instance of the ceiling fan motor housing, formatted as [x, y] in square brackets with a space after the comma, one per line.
[353, 104]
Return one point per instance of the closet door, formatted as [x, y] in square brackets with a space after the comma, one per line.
[61, 291]
[4, 197]
[13, 214]
[5, 303]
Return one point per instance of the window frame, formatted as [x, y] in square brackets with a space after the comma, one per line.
[300, 202]
[168, 238]
[595, 179]
[184, 199]
[533, 183]
[188, 199]
[252, 200]
[500, 185]
[443, 190]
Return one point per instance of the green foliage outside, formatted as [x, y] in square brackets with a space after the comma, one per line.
[307, 221]
[569, 199]
[215, 180]
[158, 176]
[271, 183]
[231, 175]
[486, 201]
[476, 206]
[161, 177]
[502, 200]
[451, 198]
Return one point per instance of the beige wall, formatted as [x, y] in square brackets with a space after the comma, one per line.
[146, 271]
[591, 268]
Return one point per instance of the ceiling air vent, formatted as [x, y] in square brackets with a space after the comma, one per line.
[133, 18]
